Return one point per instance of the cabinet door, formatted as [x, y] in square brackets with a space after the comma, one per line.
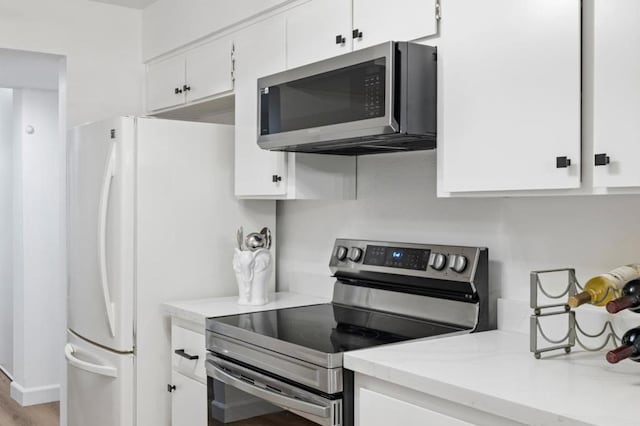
[399, 20]
[318, 30]
[164, 84]
[509, 81]
[260, 51]
[376, 409]
[616, 92]
[208, 69]
[189, 401]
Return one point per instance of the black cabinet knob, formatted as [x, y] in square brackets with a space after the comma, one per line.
[563, 162]
[356, 33]
[177, 90]
[276, 178]
[171, 388]
[601, 159]
[340, 39]
[186, 88]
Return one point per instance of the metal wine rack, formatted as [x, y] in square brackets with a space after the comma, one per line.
[575, 333]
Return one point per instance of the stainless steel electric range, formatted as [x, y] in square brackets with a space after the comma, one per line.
[261, 363]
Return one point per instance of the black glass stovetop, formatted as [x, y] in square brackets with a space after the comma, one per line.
[330, 328]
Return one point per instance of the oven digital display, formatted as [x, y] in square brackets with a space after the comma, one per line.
[397, 257]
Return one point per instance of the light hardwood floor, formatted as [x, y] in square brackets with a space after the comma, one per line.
[12, 414]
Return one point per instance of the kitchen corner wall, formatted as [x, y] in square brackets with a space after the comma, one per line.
[397, 202]
[6, 230]
[102, 45]
[38, 276]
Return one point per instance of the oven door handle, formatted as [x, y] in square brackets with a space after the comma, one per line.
[267, 395]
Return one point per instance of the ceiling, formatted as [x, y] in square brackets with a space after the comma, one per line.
[134, 4]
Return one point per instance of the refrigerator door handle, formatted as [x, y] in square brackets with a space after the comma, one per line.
[102, 237]
[102, 370]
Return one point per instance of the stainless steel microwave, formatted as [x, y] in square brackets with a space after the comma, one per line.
[378, 99]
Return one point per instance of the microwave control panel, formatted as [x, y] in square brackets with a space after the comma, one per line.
[374, 95]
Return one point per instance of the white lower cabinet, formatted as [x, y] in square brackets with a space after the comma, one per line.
[189, 401]
[382, 403]
[188, 385]
[377, 409]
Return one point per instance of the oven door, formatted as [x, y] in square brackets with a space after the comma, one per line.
[237, 393]
[349, 96]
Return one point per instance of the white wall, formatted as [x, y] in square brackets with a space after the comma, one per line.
[6, 230]
[396, 202]
[39, 286]
[102, 43]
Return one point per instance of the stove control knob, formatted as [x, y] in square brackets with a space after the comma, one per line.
[356, 254]
[341, 253]
[458, 263]
[439, 261]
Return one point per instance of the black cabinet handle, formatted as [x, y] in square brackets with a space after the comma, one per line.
[186, 88]
[183, 354]
[340, 39]
[356, 33]
[276, 178]
[177, 91]
[601, 159]
[171, 388]
[563, 162]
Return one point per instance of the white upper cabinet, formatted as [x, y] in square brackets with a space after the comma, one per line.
[209, 69]
[509, 95]
[171, 24]
[377, 21]
[259, 51]
[318, 30]
[164, 84]
[616, 93]
[202, 72]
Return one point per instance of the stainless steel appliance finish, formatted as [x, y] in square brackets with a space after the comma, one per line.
[373, 100]
[321, 410]
[385, 293]
[290, 365]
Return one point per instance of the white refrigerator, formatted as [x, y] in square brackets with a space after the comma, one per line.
[152, 217]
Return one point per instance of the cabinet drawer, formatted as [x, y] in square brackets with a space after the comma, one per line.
[377, 409]
[193, 344]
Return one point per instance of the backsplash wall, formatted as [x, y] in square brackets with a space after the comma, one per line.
[397, 202]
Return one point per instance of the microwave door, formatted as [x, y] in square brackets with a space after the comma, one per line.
[347, 97]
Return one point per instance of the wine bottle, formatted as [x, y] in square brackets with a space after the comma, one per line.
[630, 347]
[630, 299]
[601, 289]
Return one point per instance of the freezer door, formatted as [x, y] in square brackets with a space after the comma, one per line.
[100, 385]
[100, 232]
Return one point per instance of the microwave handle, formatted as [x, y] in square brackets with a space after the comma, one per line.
[267, 395]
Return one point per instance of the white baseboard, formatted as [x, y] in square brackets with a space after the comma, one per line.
[33, 396]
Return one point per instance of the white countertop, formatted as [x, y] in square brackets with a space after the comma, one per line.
[197, 311]
[494, 371]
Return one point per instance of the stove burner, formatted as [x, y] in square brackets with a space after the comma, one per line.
[359, 331]
[346, 337]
